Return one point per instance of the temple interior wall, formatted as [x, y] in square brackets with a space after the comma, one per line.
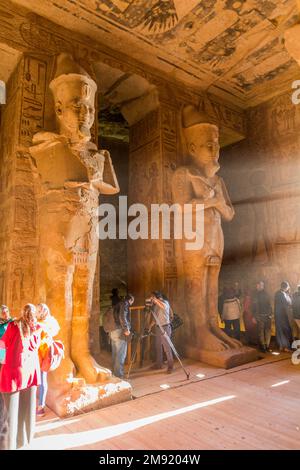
[155, 150]
[113, 253]
[263, 178]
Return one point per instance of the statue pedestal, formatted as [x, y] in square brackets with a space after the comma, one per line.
[224, 359]
[82, 398]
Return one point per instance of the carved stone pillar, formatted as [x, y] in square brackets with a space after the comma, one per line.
[23, 115]
[153, 158]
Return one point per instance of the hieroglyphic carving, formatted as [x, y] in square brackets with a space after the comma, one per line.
[9, 140]
[33, 98]
[170, 160]
[37, 37]
[23, 115]
[24, 30]
[228, 117]
[145, 271]
[145, 130]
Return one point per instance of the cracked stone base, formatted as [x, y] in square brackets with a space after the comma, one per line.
[224, 359]
[81, 398]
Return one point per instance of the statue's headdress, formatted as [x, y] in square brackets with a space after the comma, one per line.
[192, 117]
[69, 71]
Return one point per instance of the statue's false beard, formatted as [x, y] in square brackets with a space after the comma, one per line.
[79, 134]
[212, 168]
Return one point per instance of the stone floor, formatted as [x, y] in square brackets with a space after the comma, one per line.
[255, 406]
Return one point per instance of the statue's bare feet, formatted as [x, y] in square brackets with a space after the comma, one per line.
[211, 342]
[231, 342]
[90, 370]
[59, 378]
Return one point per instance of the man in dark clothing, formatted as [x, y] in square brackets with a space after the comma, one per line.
[119, 334]
[282, 304]
[296, 309]
[262, 310]
[115, 298]
[163, 313]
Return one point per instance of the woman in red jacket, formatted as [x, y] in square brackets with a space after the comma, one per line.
[20, 376]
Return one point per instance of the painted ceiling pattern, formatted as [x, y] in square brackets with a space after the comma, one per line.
[234, 46]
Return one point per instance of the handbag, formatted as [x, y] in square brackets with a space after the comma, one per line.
[176, 322]
[53, 356]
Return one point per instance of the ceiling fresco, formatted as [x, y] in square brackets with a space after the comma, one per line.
[228, 47]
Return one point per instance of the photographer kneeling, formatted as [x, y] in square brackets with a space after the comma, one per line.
[119, 334]
[163, 312]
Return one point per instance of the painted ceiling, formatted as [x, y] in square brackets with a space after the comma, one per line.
[233, 48]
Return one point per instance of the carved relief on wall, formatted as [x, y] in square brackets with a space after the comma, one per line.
[145, 130]
[213, 36]
[263, 233]
[271, 152]
[33, 98]
[22, 280]
[145, 186]
[171, 158]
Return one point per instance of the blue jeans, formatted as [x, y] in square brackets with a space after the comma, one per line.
[43, 389]
[119, 352]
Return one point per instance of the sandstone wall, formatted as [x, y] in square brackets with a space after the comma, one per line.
[153, 156]
[113, 253]
[262, 174]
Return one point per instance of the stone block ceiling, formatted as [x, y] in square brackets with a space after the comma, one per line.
[232, 48]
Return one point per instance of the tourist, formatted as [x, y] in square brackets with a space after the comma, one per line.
[120, 335]
[296, 309]
[221, 299]
[5, 319]
[262, 311]
[115, 298]
[163, 316]
[283, 303]
[237, 290]
[20, 376]
[49, 329]
[249, 319]
[104, 339]
[231, 314]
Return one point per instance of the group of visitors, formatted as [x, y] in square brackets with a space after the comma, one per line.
[257, 312]
[24, 343]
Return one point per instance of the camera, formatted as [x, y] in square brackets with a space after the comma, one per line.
[149, 302]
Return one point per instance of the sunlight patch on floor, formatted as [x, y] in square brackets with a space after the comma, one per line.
[70, 440]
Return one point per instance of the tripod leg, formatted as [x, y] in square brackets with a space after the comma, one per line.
[132, 359]
[168, 339]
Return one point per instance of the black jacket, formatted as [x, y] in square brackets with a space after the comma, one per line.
[122, 315]
[261, 304]
[296, 305]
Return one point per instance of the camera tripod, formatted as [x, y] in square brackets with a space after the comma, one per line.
[145, 333]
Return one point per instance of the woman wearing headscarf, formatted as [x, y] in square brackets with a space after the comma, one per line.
[50, 328]
[20, 376]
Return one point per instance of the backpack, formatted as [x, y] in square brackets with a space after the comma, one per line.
[53, 357]
[108, 320]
